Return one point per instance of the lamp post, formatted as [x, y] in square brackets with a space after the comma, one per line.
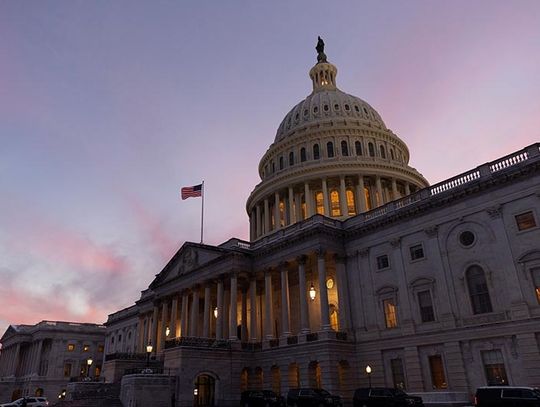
[149, 348]
[368, 372]
[89, 362]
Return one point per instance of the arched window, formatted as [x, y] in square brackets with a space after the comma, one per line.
[319, 198]
[330, 149]
[478, 290]
[344, 149]
[334, 203]
[383, 152]
[358, 148]
[392, 154]
[303, 207]
[351, 209]
[316, 154]
[367, 197]
[334, 318]
[302, 154]
[273, 167]
[281, 162]
[282, 213]
[276, 379]
[371, 149]
[291, 159]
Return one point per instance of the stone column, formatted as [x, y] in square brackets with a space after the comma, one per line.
[174, 316]
[153, 330]
[291, 206]
[164, 324]
[194, 323]
[325, 196]
[233, 318]
[243, 311]
[307, 196]
[253, 309]
[35, 367]
[184, 316]
[252, 225]
[219, 320]
[360, 195]
[378, 191]
[146, 321]
[407, 188]
[298, 207]
[207, 303]
[395, 193]
[343, 196]
[268, 331]
[258, 211]
[141, 344]
[226, 313]
[277, 214]
[266, 216]
[321, 269]
[285, 301]
[343, 294]
[304, 317]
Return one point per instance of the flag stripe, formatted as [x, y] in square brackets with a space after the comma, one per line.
[192, 192]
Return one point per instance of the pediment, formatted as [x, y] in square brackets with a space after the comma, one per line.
[189, 258]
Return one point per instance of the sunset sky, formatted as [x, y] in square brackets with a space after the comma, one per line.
[107, 108]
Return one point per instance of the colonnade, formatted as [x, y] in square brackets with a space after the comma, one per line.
[17, 360]
[225, 313]
[339, 197]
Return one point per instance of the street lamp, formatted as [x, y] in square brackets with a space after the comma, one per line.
[312, 292]
[89, 362]
[149, 348]
[368, 372]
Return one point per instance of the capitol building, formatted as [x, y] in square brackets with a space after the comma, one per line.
[354, 260]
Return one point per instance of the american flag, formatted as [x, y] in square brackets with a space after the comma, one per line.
[192, 192]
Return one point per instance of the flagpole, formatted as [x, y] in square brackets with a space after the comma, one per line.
[202, 210]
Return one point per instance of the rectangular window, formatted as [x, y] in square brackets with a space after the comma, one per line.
[398, 375]
[417, 252]
[494, 368]
[70, 347]
[536, 282]
[100, 348]
[438, 378]
[390, 313]
[525, 221]
[67, 369]
[426, 306]
[382, 262]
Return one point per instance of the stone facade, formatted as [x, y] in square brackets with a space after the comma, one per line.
[42, 359]
[353, 261]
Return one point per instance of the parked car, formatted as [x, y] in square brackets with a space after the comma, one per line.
[30, 402]
[384, 396]
[507, 396]
[311, 397]
[261, 398]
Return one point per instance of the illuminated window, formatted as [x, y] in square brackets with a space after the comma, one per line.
[390, 313]
[383, 152]
[371, 149]
[344, 148]
[86, 348]
[282, 213]
[525, 221]
[302, 154]
[478, 290]
[358, 148]
[67, 369]
[426, 306]
[494, 367]
[100, 348]
[97, 371]
[316, 153]
[330, 149]
[334, 203]
[438, 378]
[398, 374]
[291, 159]
[319, 198]
[334, 318]
[303, 207]
[71, 347]
[536, 282]
[383, 262]
[367, 197]
[351, 209]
